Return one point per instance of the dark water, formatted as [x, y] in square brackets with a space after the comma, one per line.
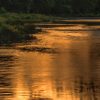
[63, 64]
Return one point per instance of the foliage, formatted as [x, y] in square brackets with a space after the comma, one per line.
[15, 27]
[12, 33]
[53, 7]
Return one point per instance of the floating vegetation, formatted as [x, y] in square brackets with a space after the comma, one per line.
[39, 49]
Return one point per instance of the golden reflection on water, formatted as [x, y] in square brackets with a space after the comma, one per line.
[68, 74]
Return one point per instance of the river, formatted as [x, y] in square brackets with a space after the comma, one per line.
[62, 64]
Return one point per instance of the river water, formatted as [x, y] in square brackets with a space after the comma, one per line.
[62, 64]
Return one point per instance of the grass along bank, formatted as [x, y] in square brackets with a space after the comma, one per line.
[15, 27]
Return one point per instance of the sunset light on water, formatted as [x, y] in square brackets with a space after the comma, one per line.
[58, 66]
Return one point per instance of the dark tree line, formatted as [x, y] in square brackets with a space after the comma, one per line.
[53, 7]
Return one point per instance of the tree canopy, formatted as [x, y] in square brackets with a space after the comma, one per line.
[53, 7]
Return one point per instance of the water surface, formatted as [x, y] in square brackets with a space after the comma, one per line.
[63, 64]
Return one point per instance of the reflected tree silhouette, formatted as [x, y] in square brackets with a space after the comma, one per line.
[6, 73]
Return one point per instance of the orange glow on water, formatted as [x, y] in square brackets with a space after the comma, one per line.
[41, 66]
[56, 67]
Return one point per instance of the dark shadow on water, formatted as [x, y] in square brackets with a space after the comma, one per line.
[6, 58]
[12, 41]
[42, 99]
[39, 49]
[84, 22]
[83, 88]
[6, 79]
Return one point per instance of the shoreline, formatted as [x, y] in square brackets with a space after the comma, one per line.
[19, 27]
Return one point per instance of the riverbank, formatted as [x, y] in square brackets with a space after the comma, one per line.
[19, 27]
[16, 27]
